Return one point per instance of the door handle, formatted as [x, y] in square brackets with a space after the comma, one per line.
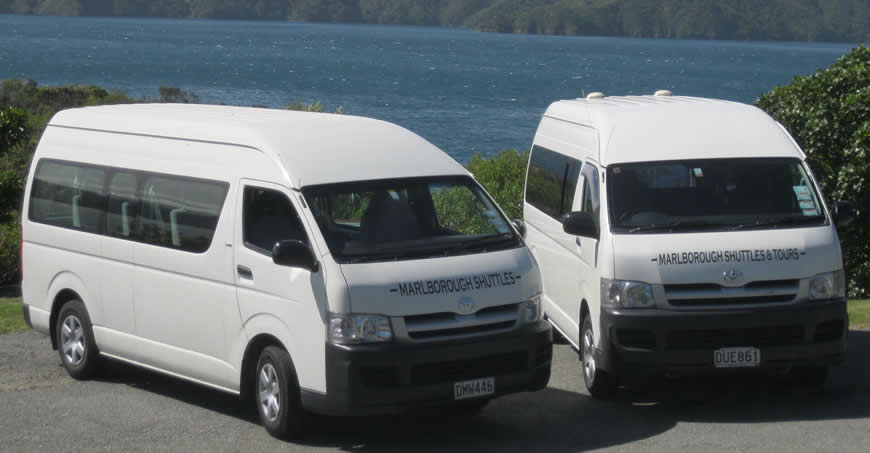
[577, 241]
[245, 272]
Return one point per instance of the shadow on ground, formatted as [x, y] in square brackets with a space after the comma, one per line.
[563, 420]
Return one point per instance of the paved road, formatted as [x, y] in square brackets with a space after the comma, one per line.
[41, 409]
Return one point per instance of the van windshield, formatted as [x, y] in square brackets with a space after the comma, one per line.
[712, 194]
[390, 220]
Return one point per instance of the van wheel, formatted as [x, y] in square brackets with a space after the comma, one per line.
[277, 394]
[75, 340]
[599, 383]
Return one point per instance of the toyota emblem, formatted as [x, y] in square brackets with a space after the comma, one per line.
[732, 277]
[466, 305]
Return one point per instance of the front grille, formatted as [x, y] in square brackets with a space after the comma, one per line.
[636, 338]
[478, 367]
[829, 331]
[785, 335]
[732, 301]
[379, 377]
[712, 294]
[451, 325]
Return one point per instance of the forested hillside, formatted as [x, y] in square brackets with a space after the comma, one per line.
[801, 20]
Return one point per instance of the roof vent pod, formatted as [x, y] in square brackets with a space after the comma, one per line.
[595, 95]
[663, 93]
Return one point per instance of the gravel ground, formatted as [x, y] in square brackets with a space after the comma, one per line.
[127, 409]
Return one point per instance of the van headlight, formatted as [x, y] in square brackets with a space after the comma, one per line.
[530, 310]
[828, 286]
[349, 328]
[626, 294]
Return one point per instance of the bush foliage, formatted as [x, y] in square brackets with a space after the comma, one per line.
[828, 114]
[503, 177]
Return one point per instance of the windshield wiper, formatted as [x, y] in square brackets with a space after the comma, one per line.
[677, 225]
[481, 242]
[779, 222]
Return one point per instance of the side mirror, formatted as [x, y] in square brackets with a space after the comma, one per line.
[520, 226]
[579, 224]
[294, 254]
[843, 213]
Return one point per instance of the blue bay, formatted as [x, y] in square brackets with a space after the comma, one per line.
[466, 92]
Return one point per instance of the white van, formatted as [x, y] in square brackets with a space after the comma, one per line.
[328, 263]
[679, 235]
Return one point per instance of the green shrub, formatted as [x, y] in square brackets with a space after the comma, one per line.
[13, 128]
[828, 114]
[503, 176]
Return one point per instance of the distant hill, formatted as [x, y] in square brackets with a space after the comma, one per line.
[797, 20]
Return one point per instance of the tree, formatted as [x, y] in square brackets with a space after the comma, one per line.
[828, 114]
[13, 128]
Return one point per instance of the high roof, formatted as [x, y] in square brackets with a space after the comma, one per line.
[314, 148]
[647, 128]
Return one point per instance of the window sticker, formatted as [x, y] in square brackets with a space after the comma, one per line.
[699, 173]
[806, 201]
[803, 193]
[808, 205]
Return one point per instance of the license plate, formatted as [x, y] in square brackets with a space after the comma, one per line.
[474, 388]
[737, 357]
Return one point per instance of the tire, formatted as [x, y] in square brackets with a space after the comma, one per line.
[75, 341]
[277, 396]
[599, 383]
[810, 376]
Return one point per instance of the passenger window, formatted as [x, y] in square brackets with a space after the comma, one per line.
[123, 206]
[269, 217]
[180, 213]
[591, 200]
[68, 195]
[552, 181]
[571, 180]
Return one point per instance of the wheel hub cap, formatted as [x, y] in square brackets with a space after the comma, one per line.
[589, 356]
[73, 340]
[270, 393]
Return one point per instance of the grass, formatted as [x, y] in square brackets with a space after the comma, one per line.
[859, 314]
[11, 316]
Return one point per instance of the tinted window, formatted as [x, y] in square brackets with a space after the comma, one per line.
[572, 177]
[269, 218]
[180, 213]
[123, 206]
[68, 195]
[168, 211]
[552, 181]
[591, 200]
[712, 194]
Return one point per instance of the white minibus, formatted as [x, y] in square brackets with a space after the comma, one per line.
[308, 262]
[679, 235]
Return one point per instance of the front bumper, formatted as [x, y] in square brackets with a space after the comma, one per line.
[645, 342]
[385, 378]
